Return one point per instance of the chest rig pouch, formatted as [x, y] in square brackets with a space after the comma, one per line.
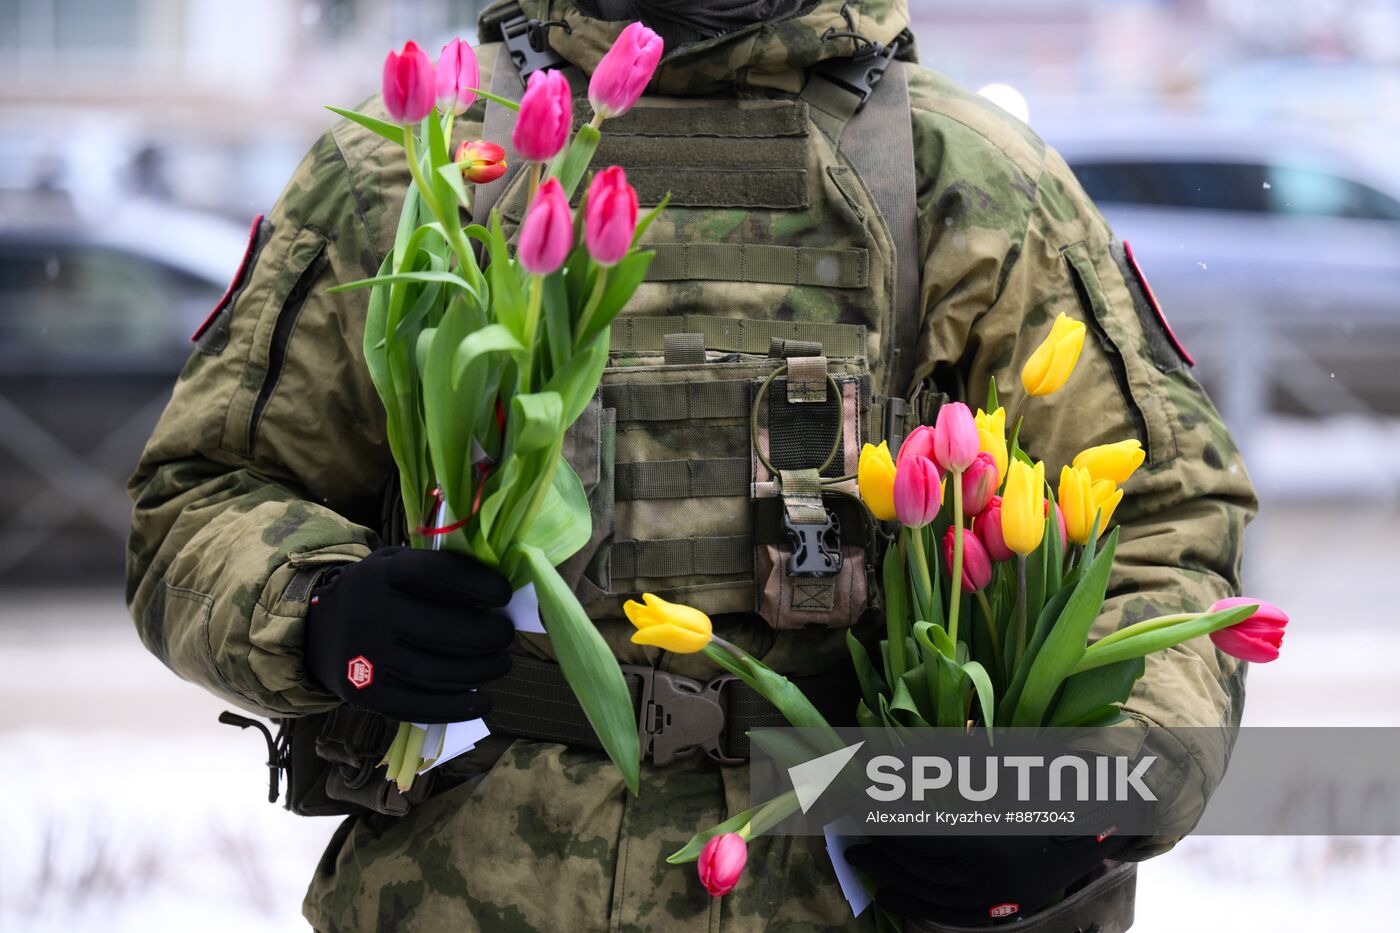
[760, 353]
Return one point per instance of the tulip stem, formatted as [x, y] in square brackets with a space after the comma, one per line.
[1146, 625]
[532, 321]
[594, 299]
[991, 627]
[597, 121]
[536, 168]
[412, 759]
[1020, 606]
[955, 592]
[425, 191]
[923, 588]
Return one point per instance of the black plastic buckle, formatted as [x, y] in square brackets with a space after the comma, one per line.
[816, 548]
[680, 714]
[528, 47]
[277, 750]
[860, 73]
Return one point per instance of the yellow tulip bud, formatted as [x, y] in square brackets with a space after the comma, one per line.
[1106, 498]
[1115, 462]
[1053, 361]
[1077, 503]
[991, 438]
[1023, 507]
[668, 625]
[875, 476]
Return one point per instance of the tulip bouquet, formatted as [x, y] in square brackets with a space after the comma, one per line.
[484, 357]
[991, 584]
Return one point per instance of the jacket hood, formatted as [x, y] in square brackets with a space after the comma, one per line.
[773, 55]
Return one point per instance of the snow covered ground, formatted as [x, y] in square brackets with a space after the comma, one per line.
[129, 808]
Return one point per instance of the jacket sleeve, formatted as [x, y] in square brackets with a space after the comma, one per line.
[1011, 241]
[270, 457]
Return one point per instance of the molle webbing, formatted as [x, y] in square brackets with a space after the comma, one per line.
[759, 263]
[677, 557]
[678, 401]
[647, 335]
[682, 479]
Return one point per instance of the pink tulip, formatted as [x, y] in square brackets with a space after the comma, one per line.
[955, 439]
[610, 217]
[457, 77]
[977, 563]
[722, 862]
[547, 235]
[624, 72]
[918, 492]
[979, 482]
[546, 117]
[1256, 639]
[481, 161]
[919, 443]
[988, 528]
[408, 84]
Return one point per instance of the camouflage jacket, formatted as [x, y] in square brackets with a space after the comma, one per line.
[271, 457]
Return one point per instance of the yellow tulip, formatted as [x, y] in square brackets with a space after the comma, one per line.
[668, 625]
[1053, 361]
[1077, 503]
[991, 438]
[875, 476]
[1106, 498]
[1115, 462]
[1023, 507]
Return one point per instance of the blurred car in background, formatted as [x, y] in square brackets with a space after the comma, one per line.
[1275, 256]
[96, 310]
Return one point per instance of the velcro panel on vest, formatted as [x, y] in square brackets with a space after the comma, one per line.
[766, 264]
[701, 155]
[647, 335]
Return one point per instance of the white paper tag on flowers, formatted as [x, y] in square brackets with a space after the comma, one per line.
[450, 740]
[840, 836]
[524, 610]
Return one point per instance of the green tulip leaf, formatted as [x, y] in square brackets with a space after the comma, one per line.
[390, 131]
[563, 524]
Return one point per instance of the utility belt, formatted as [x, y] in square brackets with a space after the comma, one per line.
[331, 760]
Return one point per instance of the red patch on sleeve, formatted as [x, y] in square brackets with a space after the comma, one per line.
[1156, 305]
[237, 277]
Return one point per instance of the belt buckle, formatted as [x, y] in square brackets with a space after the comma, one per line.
[678, 715]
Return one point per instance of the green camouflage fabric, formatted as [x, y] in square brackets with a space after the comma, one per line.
[271, 457]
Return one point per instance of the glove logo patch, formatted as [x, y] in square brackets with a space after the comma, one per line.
[1004, 910]
[360, 672]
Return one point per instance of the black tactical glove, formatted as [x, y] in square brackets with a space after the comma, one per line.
[410, 634]
[974, 880]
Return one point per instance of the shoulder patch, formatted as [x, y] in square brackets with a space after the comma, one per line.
[212, 335]
[1168, 352]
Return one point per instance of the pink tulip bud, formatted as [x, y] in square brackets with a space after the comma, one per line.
[919, 443]
[955, 438]
[546, 117]
[918, 492]
[457, 77]
[722, 862]
[481, 161]
[624, 72]
[547, 235]
[408, 84]
[610, 217]
[988, 528]
[1256, 639]
[980, 482]
[976, 565]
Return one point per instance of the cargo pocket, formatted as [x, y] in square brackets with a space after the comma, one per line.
[1120, 334]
